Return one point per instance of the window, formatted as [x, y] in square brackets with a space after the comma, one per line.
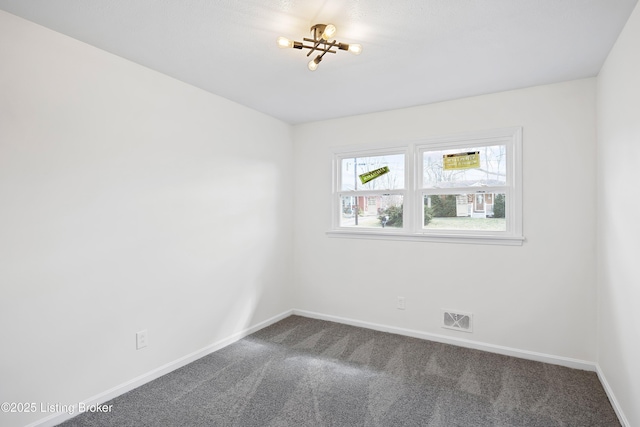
[363, 203]
[463, 188]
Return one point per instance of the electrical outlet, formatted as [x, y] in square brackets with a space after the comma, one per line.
[401, 304]
[141, 339]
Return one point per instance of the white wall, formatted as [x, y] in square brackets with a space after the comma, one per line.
[538, 297]
[128, 201]
[618, 219]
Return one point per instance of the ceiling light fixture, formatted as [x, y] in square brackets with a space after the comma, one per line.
[321, 34]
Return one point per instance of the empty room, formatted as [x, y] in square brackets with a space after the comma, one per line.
[319, 213]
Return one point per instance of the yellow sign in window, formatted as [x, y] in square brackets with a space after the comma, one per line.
[371, 175]
[458, 161]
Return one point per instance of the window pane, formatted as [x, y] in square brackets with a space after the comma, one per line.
[352, 168]
[471, 211]
[464, 168]
[371, 211]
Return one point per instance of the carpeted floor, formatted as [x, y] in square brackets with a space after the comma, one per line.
[306, 372]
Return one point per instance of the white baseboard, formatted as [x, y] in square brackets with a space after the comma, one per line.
[57, 418]
[612, 398]
[507, 351]
[461, 342]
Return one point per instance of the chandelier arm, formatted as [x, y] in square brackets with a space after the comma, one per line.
[318, 48]
[315, 46]
[328, 49]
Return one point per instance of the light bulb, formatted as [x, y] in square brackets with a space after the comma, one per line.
[329, 31]
[313, 64]
[284, 42]
[356, 49]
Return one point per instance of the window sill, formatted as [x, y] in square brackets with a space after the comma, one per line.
[419, 237]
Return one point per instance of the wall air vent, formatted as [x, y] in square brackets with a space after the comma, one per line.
[457, 320]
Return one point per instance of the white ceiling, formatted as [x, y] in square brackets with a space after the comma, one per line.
[414, 51]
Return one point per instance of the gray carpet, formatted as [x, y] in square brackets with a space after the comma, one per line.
[306, 372]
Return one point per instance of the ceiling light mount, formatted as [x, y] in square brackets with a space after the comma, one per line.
[320, 33]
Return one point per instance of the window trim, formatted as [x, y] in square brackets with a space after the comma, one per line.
[413, 191]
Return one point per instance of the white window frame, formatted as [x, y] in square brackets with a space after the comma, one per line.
[339, 156]
[414, 192]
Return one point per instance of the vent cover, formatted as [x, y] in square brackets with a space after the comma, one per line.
[457, 320]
